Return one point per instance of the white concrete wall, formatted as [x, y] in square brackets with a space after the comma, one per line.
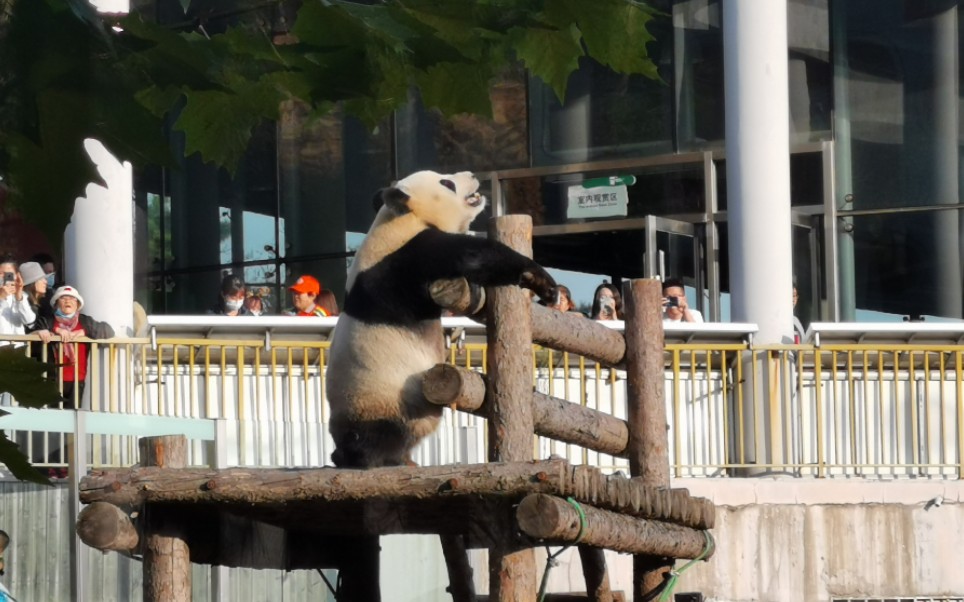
[808, 540]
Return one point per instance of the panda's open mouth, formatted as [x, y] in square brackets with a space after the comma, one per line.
[474, 200]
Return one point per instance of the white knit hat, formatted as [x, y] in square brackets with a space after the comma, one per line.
[69, 291]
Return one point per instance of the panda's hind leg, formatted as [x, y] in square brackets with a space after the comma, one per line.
[371, 444]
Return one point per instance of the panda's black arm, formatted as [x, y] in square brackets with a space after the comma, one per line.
[481, 261]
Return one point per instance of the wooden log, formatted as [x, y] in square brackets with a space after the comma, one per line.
[461, 586]
[106, 527]
[557, 522]
[448, 385]
[565, 331]
[552, 417]
[167, 559]
[163, 452]
[648, 439]
[512, 575]
[595, 573]
[575, 333]
[273, 487]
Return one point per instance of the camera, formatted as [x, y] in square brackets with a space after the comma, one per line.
[672, 301]
[8, 277]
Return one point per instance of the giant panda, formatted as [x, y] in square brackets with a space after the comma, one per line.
[390, 330]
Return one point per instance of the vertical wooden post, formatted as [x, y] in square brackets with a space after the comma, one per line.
[509, 333]
[358, 573]
[597, 577]
[648, 439]
[461, 585]
[167, 560]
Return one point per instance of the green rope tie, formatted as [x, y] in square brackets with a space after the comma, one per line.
[674, 574]
[551, 559]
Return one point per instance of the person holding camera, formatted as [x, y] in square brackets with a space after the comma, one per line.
[15, 311]
[675, 306]
[607, 303]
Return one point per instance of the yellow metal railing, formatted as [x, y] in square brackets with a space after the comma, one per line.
[733, 409]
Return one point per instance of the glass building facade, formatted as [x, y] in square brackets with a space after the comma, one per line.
[875, 103]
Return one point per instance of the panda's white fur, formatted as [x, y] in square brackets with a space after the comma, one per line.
[390, 332]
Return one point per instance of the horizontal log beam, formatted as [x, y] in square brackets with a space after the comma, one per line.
[106, 527]
[555, 418]
[269, 486]
[461, 388]
[567, 331]
[557, 521]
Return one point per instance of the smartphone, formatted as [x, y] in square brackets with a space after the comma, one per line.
[672, 301]
[8, 277]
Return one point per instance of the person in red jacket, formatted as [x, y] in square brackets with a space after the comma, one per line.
[66, 326]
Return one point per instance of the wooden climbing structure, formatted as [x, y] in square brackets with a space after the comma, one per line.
[314, 518]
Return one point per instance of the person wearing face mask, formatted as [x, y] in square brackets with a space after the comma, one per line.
[46, 261]
[15, 311]
[231, 300]
[61, 332]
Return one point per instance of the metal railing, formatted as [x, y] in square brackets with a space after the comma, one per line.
[734, 408]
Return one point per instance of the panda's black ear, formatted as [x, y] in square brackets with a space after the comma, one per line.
[448, 184]
[393, 197]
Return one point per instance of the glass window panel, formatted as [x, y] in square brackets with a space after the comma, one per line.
[697, 72]
[224, 234]
[604, 115]
[259, 242]
[809, 70]
[428, 140]
[909, 263]
[897, 102]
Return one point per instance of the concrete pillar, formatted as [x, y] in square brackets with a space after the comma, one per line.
[758, 165]
[758, 180]
[99, 243]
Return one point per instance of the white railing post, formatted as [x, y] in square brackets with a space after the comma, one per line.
[220, 576]
[77, 468]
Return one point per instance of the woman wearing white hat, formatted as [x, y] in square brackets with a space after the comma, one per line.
[67, 325]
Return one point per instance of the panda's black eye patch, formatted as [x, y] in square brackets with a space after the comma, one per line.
[448, 184]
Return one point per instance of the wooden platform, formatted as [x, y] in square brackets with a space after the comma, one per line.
[307, 518]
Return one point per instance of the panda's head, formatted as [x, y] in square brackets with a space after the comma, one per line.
[448, 202]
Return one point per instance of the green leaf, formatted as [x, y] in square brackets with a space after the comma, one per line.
[17, 463]
[24, 378]
[218, 124]
[456, 88]
[327, 26]
[614, 32]
[549, 55]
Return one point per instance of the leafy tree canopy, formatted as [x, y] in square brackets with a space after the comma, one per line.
[68, 73]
